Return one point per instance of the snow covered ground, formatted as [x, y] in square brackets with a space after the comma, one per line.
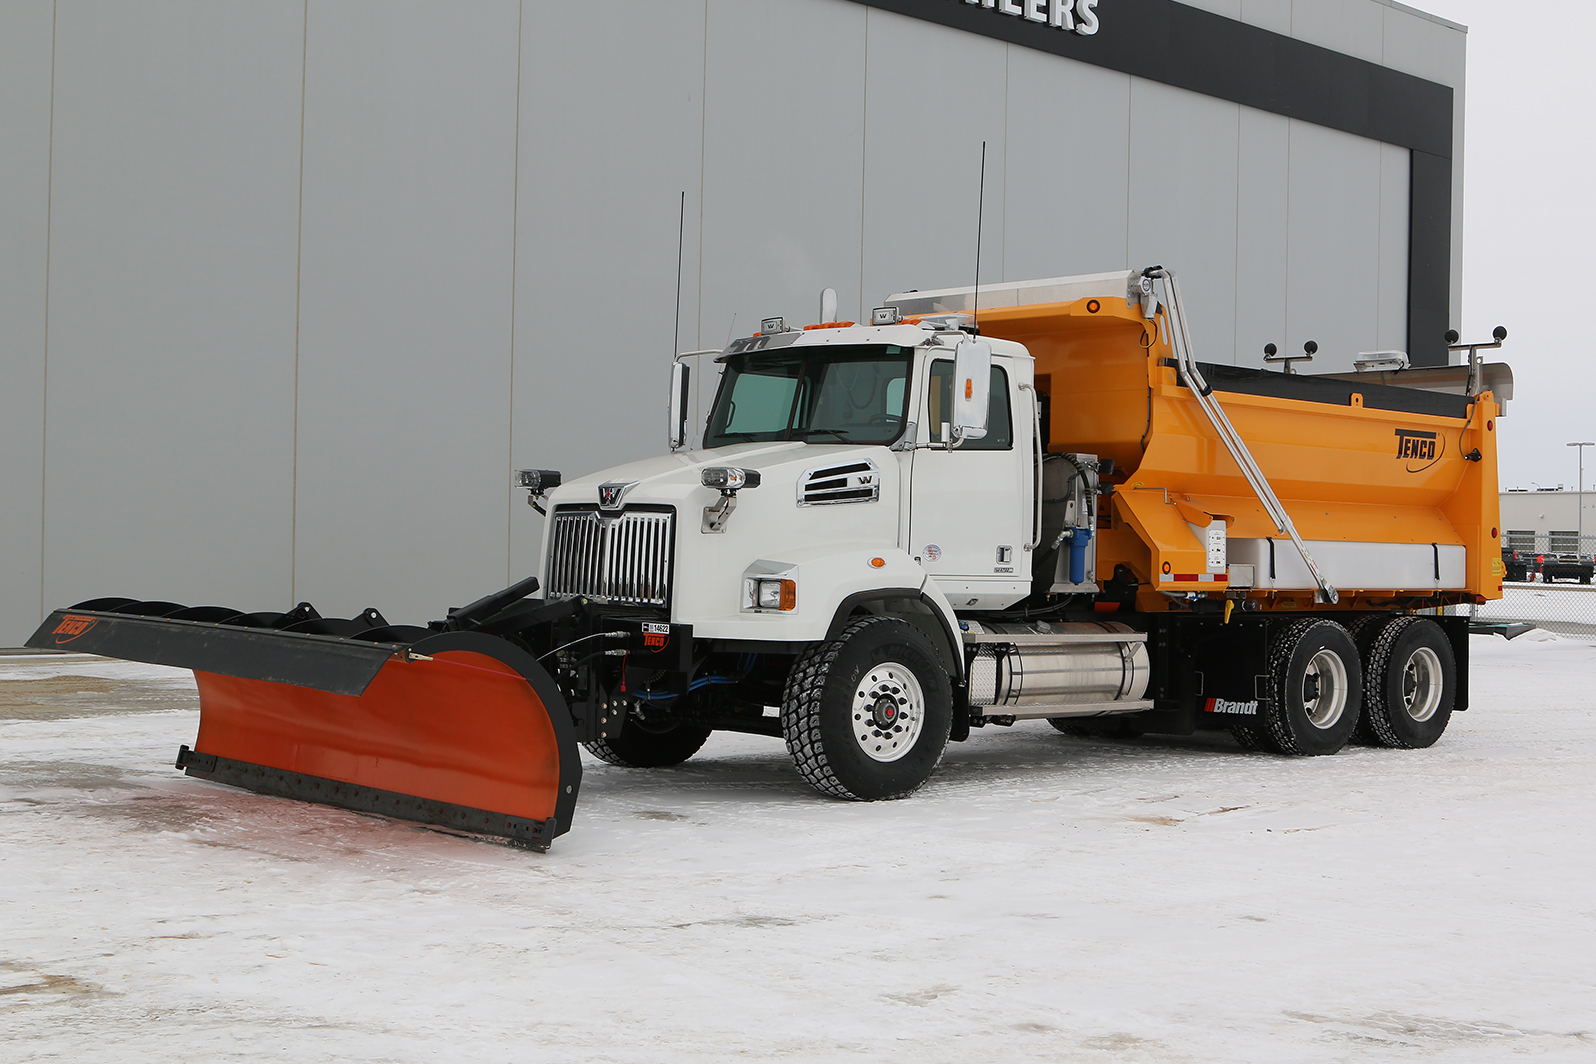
[1044, 898]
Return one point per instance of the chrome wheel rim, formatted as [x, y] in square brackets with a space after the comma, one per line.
[1324, 689]
[1421, 684]
[888, 711]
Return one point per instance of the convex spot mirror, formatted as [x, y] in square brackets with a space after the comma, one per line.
[680, 375]
[972, 385]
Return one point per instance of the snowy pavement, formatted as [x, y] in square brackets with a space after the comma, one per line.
[1043, 898]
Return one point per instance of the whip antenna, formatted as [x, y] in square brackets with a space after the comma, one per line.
[681, 234]
[980, 216]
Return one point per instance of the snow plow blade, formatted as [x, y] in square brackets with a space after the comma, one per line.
[460, 728]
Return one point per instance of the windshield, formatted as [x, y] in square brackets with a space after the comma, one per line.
[819, 394]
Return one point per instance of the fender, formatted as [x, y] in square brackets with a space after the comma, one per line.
[927, 610]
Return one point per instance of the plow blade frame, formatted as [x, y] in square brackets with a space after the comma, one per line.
[461, 729]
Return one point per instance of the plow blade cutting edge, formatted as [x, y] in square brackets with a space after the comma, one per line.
[461, 729]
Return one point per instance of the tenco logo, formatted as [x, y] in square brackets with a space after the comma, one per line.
[656, 637]
[1075, 16]
[1420, 450]
[1235, 709]
[71, 627]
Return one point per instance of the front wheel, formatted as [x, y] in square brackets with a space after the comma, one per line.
[644, 744]
[866, 715]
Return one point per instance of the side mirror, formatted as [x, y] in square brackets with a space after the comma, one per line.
[972, 387]
[681, 377]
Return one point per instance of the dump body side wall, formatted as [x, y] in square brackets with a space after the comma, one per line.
[1402, 473]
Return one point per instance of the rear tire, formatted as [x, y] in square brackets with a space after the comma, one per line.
[1412, 684]
[1315, 688]
[640, 745]
[866, 715]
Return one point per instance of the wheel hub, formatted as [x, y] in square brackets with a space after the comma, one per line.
[1422, 684]
[1324, 689]
[888, 711]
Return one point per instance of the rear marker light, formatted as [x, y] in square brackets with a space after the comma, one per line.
[1093, 306]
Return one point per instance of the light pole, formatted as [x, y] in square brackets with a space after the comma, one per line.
[1581, 548]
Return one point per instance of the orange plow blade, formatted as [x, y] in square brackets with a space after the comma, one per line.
[455, 737]
[463, 729]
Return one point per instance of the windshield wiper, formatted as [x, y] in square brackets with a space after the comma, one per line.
[803, 433]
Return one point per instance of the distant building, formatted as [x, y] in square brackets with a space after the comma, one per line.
[1546, 520]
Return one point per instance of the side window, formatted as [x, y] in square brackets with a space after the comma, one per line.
[999, 425]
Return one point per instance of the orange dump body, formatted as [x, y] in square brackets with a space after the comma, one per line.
[1377, 479]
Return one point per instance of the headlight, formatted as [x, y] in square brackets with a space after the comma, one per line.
[770, 594]
[730, 478]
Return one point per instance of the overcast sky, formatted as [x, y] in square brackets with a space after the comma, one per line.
[1529, 220]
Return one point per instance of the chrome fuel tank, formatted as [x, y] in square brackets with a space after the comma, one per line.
[1086, 668]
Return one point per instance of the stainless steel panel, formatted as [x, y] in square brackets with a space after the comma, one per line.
[1068, 671]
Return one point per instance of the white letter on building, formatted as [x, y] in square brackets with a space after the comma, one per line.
[1061, 14]
[1086, 9]
[1009, 7]
[1036, 10]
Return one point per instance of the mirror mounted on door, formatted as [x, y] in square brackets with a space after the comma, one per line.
[680, 378]
[972, 386]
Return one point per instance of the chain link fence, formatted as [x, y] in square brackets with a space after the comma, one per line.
[1548, 584]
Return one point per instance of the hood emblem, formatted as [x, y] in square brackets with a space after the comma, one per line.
[612, 494]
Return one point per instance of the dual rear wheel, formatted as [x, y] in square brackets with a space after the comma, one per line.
[1387, 682]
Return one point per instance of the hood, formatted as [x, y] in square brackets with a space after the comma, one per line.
[670, 478]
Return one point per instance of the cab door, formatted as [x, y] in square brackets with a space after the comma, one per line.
[971, 519]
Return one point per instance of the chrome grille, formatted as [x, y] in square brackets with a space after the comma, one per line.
[623, 557]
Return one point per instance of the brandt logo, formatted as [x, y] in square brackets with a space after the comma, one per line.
[1420, 450]
[1075, 16]
[71, 627]
[1235, 709]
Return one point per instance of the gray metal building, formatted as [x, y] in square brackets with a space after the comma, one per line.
[289, 288]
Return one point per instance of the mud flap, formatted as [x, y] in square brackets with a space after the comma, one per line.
[461, 729]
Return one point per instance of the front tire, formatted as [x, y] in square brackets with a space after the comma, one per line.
[1315, 688]
[866, 715]
[1412, 684]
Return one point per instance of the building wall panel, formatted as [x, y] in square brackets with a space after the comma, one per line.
[1333, 294]
[610, 139]
[174, 197]
[404, 354]
[783, 162]
[1263, 234]
[1182, 210]
[1068, 167]
[920, 210]
[26, 30]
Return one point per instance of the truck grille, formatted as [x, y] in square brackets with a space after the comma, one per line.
[624, 557]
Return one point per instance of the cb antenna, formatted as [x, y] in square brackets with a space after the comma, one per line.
[980, 217]
[681, 235]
